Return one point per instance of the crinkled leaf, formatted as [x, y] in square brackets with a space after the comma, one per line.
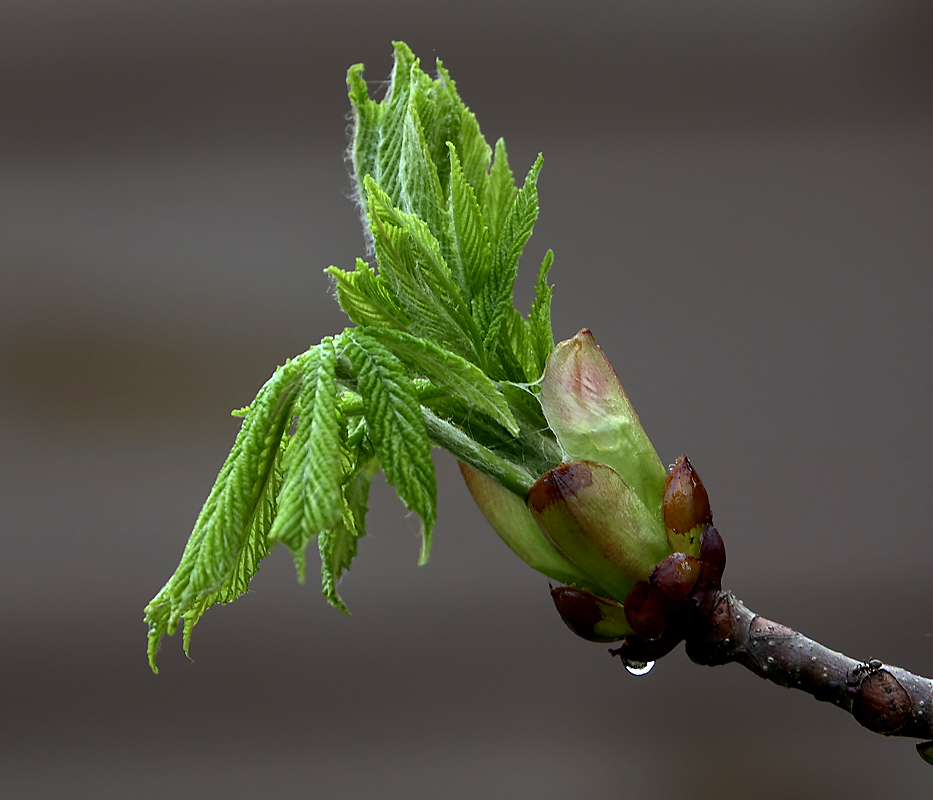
[310, 499]
[229, 536]
[411, 262]
[420, 191]
[500, 192]
[338, 545]
[469, 238]
[514, 232]
[451, 372]
[392, 122]
[539, 318]
[515, 359]
[396, 427]
[366, 299]
[475, 154]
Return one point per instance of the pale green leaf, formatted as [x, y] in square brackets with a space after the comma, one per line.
[310, 499]
[474, 153]
[338, 545]
[449, 371]
[367, 123]
[392, 122]
[471, 257]
[500, 193]
[539, 318]
[420, 191]
[229, 536]
[396, 427]
[366, 299]
[514, 232]
[411, 262]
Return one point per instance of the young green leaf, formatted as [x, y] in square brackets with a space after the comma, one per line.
[229, 537]
[471, 256]
[449, 371]
[392, 123]
[396, 427]
[310, 499]
[367, 124]
[366, 299]
[500, 193]
[539, 318]
[513, 233]
[410, 260]
[420, 191]
[475, 154]
[338, 544]
[447, 225]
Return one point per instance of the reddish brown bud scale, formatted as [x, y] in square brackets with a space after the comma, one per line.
[685, 507]
[652, 604]
[558, 484]
[686, 502]
[594, 618]
[712, 565]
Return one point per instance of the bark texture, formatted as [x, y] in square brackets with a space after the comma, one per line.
[883, 698]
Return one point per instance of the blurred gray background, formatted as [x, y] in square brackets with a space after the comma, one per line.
[739, 197]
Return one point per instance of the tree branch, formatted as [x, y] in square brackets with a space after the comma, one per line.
[883, 698]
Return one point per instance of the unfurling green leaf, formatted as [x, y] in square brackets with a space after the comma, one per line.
[229, 537]
[539, 318]
[449, 371]
[439, 355]
[366, 299]
[396, 427]
[310, 499]
[338, 544]
[508, 237]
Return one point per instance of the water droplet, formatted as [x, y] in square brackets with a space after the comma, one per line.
[638, 667]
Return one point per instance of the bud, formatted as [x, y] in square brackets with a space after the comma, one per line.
[510, 518]
[590, 516]
[652, 604]
[686, 508]
[588, 410]
[594, 618]
[712, 565]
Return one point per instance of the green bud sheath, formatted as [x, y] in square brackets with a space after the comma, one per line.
[686, 508]
[589, 514]
[587, 408]
[510, 518]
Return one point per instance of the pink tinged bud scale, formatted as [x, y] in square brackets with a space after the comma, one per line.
[587, 408]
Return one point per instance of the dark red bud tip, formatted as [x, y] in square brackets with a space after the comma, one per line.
[560, 483]
[686, 503]
[712, 565]
[712, 556]
[651, 604]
